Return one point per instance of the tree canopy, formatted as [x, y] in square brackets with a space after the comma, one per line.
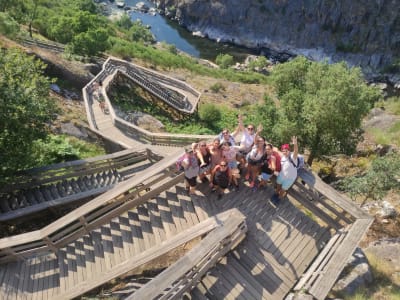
[323, 104]
[25, 108]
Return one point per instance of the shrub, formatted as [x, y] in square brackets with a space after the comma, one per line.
[209, 113]
[216, 87]
[224, 60]
[382, 176]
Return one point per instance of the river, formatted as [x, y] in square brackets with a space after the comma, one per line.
[170, 32]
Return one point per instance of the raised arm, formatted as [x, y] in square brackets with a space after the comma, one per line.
[295, 148]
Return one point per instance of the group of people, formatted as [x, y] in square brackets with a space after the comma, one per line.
[223, 162]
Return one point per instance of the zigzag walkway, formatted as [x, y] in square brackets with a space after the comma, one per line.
[149, 215]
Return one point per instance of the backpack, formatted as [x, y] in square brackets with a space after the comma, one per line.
[300, 161]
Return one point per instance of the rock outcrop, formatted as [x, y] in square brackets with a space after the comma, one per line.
[364, 33]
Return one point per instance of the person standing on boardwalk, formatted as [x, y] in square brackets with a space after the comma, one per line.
[191, 169]
[288, 173]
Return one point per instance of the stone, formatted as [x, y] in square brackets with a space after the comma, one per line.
[356, 275]
[387, 210]
[71, 129]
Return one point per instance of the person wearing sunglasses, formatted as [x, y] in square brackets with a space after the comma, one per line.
[220, 178]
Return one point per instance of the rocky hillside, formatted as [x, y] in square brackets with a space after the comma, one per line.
[363, 32]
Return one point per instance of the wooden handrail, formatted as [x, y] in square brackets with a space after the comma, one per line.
[114, 198]
[314, 181]
[189, 269]
[153, 253]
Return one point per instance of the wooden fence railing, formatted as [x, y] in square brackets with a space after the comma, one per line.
[99, 211]
[66, 183]
[340, 213]
[185, 273]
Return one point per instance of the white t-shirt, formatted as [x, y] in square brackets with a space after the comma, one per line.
[288, 171]
[247, 141]
[191, 166]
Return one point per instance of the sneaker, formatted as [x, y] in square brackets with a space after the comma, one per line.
[213, 190]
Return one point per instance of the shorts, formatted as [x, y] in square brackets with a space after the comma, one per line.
[265, 176]
[232, 164]
[192, 181]
[286, 183]
[205, 169]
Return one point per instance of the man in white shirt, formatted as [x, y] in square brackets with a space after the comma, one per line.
[288, 173]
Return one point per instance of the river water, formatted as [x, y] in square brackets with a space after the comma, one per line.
[170, 32]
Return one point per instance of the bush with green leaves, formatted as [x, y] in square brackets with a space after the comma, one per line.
[8, 26]
[209, 113]
[259, 63]
[381, 177]
[216, 87]
[224, 60]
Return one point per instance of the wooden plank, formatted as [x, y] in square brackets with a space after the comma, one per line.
[277, 223]
[296, 194]
[318, 198]
[155, 221]
[90, 260]
[305, 278]
[126, 235]
[271, 275]
[188, 210]
[324, 283]
[235, 290]
[80, 260]
[287, 248]
[341, 200]
[145, 226]
[153, 253]
[216, 288]
[176, 210]
[118, 245]
[108, 248]
[303, 255]
[166, 216]
[243, 277]
[22, 279]
[137, 235]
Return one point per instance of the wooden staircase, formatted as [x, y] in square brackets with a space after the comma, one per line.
[109, 250]
[69, 183]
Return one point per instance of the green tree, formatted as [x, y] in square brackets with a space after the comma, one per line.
[323, 104]
[91, 42]
[224, 60]
[25, 109]
[8, 26]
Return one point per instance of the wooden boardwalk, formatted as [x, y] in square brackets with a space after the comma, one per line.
[300, 244]
[280, 244]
